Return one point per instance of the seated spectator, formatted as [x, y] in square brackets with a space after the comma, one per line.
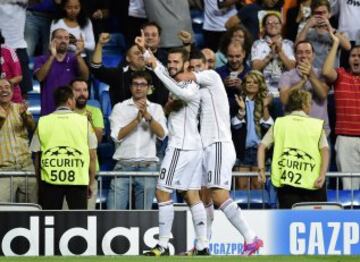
[317, 32]
[10, 68]
[135, 125]
[95, 117]
[118, 78]
[152, 33]
[306, 76]
[12, 25]
[251, 15]
[58, 67]
[39, 16]
[347, 101]
[15, 122]
[73, 19]
[253, 120]
[237, 33]
[273, 55]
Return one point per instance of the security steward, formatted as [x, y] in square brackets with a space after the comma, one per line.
[301, 153]
[65, 155]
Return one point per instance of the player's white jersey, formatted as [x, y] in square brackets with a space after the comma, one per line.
[182, 124]
[215, 111]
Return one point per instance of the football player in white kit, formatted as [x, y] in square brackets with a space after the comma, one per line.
[219, 153]
[181, 167]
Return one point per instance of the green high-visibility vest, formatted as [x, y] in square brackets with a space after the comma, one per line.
[296, 159]
[65, 155]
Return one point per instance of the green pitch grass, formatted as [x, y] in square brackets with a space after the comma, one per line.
[190, 259]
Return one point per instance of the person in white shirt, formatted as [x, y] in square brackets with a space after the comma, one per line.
[219, 152]
[135, 125]
[181, 167]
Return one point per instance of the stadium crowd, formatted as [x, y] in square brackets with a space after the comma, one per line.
[263, 50]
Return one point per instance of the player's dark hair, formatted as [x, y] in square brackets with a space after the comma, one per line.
[197, 54]
[62, 94]
[180, 50]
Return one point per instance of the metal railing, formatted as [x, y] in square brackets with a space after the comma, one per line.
[264, 202]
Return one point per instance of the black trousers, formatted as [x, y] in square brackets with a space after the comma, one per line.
[26, 83]
[289, 195]
[52, 196]
[212, 39]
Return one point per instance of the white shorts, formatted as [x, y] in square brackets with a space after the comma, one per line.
[218, 161]
[180, 170]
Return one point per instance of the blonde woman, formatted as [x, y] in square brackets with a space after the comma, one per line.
[253, 120]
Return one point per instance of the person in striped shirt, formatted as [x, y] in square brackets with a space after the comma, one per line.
[347, 101]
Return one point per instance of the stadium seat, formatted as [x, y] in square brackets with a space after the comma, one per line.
[34, 105]
[116, 44]
[105, 103]
[345, 198]
[251, 199]
[105, 153]
[94, 102]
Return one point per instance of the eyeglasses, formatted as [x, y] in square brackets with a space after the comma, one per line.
[142, 85]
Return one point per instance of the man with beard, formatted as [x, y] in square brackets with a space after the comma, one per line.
[95, 117]
[181, 168]
[58, 68]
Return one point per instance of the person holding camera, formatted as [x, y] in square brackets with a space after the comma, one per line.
[317, 32]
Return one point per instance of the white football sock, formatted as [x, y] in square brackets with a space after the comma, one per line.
[209, 219]
[235, 216]
[166, 218]
[199, 220]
